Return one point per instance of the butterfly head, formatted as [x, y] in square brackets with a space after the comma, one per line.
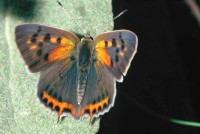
[87, 36]
[85, 50]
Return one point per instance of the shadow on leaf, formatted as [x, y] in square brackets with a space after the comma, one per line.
[21, 8]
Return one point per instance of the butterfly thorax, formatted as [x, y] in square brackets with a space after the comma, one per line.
[85, 50]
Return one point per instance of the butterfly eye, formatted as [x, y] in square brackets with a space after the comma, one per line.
[91, 37]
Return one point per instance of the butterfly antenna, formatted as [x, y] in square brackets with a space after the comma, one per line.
[120, 14]
[98, 26]
[77, 26]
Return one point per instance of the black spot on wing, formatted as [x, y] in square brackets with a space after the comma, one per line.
[67, 110]
[46, 56]
[40, 44]
[120, 35]
[94, 111]
[59, 40]
[106, 43]
[116, 58]
[35, 35]
[122, 47]
[34, 64]
[87, 111]
[47, 37]
[33, 40]
[122, 41]
[111, 63]
[105, 105]
[39, 52]
[50, 104]
[57, 108]
[72, 58]
[39, 29]
[100, 108]
[114, 44]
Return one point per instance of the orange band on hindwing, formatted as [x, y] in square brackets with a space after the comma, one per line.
[58, 106]
[91, 107]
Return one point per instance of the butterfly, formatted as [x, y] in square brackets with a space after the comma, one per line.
[77, 76]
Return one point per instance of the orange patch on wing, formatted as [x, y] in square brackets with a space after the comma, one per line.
[33, 47]
[65, 41]
[40, 39]
[92, 107]
[118, 44]
[28, 42]
[125, 49]
[100, 44]
[61, 105]
[53, 40]
[103, 56]
[121, 54]
[60, 53]
[109, 44]
[30, 36]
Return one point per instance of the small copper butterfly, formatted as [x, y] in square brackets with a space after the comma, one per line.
[77, 76]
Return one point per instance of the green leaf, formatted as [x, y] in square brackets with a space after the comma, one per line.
[20, 112]
[186, 123]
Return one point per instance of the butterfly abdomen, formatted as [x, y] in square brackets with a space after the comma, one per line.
[83, 65]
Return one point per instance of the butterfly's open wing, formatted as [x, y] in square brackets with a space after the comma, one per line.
[52, 52]
[57, 87]
[116, 50]
[40, 45]
[100, 91]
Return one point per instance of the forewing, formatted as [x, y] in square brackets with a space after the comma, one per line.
[100, 91]
[40, 45]
[57, 87]
[116, 50]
